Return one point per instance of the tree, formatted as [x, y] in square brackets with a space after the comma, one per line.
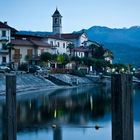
[54, 57]
[70, 47]
[88, 61]
[97, 51]
[46, 56]
[77, 60]
[63, 59]
[92, 47]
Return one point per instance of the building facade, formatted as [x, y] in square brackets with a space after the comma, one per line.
[5, 38]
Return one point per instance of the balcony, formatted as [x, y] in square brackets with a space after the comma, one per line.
[17, 56]
[4, 38]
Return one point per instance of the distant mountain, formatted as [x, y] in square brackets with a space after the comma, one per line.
[124, 43]
[124, 35]
[36, 33]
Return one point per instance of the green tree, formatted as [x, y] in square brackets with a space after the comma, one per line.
[97, 51]
[77, 60]
[54, 57]
[88, 61]
[92, 47]
[70, 47]
[63, 59]
[46, 56]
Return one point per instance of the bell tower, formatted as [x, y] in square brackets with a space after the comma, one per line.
[57, 22]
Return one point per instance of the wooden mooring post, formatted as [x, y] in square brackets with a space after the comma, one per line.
[122, 107]
[11, 125]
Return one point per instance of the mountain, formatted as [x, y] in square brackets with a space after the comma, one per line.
[34, 33]
[124, 43]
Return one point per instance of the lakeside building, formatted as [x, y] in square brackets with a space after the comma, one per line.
[17, 47]
[5, 37]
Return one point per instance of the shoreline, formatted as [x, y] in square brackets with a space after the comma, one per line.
[41, 89]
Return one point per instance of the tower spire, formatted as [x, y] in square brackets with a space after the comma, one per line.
[57, 23]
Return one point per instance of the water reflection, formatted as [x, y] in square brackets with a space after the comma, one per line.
[65, 114]
[71, 106]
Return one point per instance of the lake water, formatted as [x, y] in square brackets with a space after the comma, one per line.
[68, 114]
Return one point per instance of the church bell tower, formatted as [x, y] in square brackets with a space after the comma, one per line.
[56, 22]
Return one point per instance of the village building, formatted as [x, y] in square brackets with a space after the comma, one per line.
[27, 48]
[17, 48]
[5, 38]
[59, 45]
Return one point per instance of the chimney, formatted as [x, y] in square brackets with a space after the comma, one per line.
[5, 22]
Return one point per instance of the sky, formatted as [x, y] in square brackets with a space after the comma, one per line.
[35, 15]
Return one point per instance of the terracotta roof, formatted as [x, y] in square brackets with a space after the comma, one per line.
[4, 25]
[40, 43]
[80, 49]
[71, 35]
[20, 42]
[58, 37]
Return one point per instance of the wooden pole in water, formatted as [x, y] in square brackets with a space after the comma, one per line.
[122, 108]
[11, 125]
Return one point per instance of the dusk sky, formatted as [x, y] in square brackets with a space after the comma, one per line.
[35, 15]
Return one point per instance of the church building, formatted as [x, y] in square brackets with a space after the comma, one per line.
[76, 38]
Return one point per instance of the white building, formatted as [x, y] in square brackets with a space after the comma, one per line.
[5, 38]
[59, 45]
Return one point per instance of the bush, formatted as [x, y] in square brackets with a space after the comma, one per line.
[23, 67]
[78, 73]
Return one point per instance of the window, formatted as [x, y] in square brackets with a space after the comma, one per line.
[56, 20]
[63, 45]
[17, 54]
[3, 33]
[4, 59]
[51, 42]
[58, 44]
[42, 50]
[3, 46]
[30, 52]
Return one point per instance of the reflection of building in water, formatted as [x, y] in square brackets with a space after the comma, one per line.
[57, 133]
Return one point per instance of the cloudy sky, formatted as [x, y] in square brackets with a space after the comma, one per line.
[36, 15]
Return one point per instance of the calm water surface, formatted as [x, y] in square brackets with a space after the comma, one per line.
[74, 112]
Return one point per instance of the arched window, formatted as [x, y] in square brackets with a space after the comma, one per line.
[58, 44]
[63, 45]
[56, 20]
[51, 43]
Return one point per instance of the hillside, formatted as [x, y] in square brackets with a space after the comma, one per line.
[124, 43]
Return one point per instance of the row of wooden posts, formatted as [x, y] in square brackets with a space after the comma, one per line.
[122, 107]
